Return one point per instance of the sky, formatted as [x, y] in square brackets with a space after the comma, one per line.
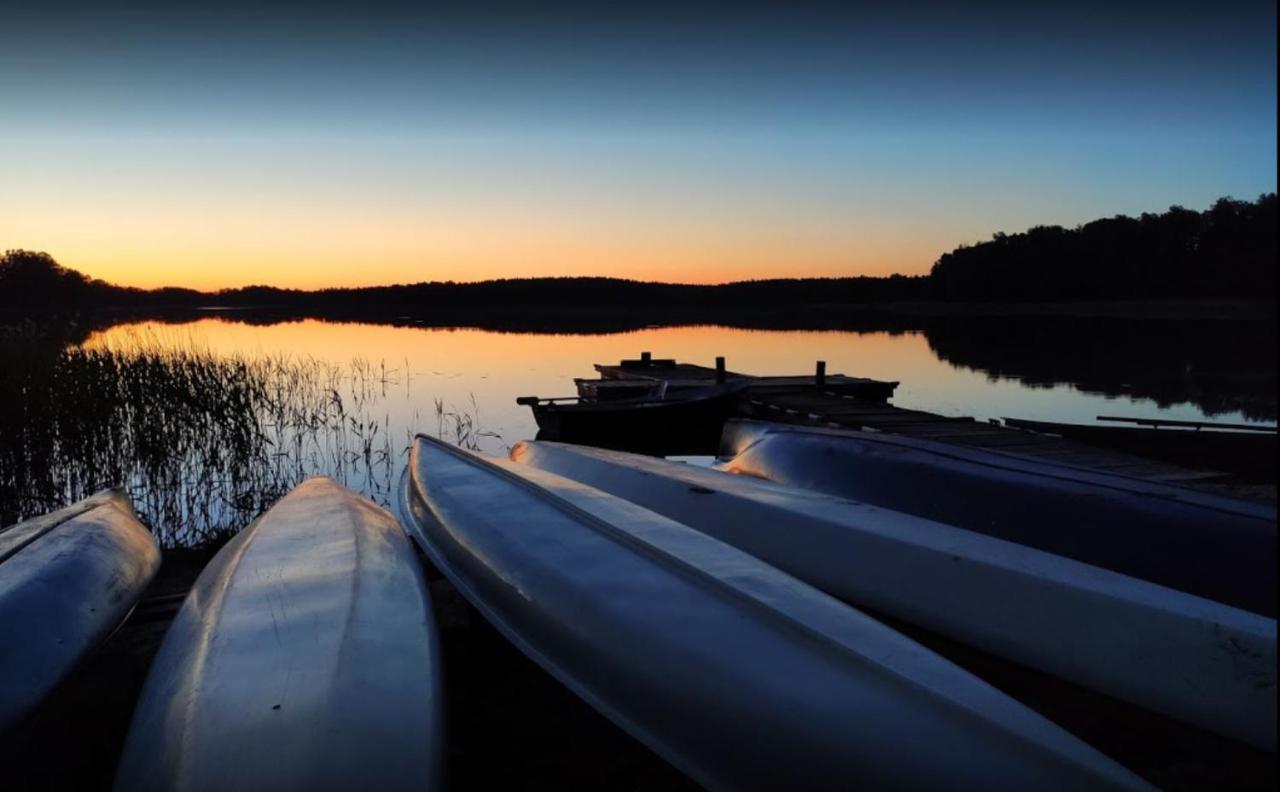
[315, 145]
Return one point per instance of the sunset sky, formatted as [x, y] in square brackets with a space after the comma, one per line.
[319, 146]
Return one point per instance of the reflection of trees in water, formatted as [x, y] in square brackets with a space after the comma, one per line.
[1219, 366]
[203, 444]
[552, 319]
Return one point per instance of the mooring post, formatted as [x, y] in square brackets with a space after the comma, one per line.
[645, 357]
[820, 374]
[719, 369]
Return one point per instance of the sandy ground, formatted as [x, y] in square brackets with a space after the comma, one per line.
[510, 725]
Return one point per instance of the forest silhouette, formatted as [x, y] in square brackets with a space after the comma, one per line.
[1228, 251]
[1225, 252]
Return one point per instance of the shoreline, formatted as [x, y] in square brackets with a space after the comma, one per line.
[892, 316]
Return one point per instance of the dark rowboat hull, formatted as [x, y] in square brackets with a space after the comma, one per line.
[685, 424]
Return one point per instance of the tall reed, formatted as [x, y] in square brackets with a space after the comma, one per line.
[203, 442]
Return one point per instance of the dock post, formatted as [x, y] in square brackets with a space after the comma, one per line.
[645, 357]
[719, 369]
[820, 374]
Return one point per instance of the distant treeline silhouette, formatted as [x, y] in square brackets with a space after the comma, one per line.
[30, 279]
[1228, 251]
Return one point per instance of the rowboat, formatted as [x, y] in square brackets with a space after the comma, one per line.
[67, 579]
[1243, 450]
[738, 674]
[1220, 548]
[305, 657]
[1191, 658]
[686, 421]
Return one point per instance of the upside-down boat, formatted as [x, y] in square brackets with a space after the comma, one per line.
[67, 579]
[738, 674]
[305, 657]
[1185, 656]
[1220, 548]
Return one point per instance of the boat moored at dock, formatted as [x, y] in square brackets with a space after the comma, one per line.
[688, 421]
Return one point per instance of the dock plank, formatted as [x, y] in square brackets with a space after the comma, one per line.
[691, 374]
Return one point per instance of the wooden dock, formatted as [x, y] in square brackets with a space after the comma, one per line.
[856, 403]
[633, 377]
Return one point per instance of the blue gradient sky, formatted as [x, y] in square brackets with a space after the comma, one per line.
[321, 146]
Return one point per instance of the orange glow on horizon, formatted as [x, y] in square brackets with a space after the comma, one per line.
[212, 247]
[213, 270]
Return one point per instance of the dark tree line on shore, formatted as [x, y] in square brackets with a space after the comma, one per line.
[1227, 251]
[35, 280]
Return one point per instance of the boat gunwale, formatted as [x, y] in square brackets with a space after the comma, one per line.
[20, 535]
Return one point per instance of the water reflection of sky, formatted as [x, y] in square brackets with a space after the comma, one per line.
[481, 372]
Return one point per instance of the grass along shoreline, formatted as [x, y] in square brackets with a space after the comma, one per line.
[202, 443]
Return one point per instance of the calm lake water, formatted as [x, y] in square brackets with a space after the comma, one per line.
[482, 372]
[204, 447]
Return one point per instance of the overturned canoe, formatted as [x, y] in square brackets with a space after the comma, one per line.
[305, 657]
[67, 579]
[738, 674]
[1219, 548]
[1184, 656]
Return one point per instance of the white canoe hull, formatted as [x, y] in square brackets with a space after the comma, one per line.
[738, 674]
[1219, 548]
[304, 658]
[66, 581]
[1165, 650]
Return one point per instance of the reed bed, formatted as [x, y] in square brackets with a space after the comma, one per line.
[202, 442]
